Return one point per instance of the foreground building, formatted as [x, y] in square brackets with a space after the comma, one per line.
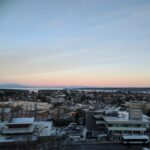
[22, 130]
[132, 122]
[119, 122]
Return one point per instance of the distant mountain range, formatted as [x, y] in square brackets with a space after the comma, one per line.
[9, 86]
[20, 86]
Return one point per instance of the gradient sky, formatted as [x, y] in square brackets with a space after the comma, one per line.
[75, 42]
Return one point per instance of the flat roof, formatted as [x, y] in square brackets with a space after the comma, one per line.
[135, 136]
[21, 121]
[5, 110]
[44, 128]
[124, 118]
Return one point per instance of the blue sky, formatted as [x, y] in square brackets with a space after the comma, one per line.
[81, 42]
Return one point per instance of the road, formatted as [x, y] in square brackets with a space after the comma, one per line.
[101, 147]
[108, 146]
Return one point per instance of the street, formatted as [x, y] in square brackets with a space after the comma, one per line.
[101, 147]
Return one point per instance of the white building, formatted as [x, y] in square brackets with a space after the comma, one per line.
[22, 130]
[133, 122]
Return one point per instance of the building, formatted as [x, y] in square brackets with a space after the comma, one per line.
[132, 122]
[118, 122]
[5, 114]
[135, 105]
[22, 130]
[19, 126]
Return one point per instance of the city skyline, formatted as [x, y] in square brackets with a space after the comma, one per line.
[75, 43]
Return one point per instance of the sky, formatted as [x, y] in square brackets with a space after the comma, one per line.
[101, 43]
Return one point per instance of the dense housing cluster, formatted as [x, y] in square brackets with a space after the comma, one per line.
[69, 116]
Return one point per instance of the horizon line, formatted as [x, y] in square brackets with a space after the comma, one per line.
[66, 86]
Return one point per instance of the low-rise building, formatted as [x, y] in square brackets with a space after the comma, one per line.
[21, 130]
[118, 122]
[134, 105]
[127, 123]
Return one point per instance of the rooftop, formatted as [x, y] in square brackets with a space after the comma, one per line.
[5, 110]
[21, 121]
[135, 137]
[123, 116]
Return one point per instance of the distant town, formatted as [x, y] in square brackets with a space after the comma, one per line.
[75, 75]
[75, 118]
